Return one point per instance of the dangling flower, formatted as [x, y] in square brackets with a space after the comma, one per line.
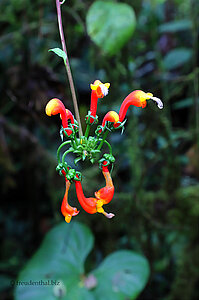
[99, 90]
[90, 205]
[54, 107]
[67, 211]
[137, 98]
[106, 193]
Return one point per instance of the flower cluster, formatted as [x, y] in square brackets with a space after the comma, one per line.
[89, 147]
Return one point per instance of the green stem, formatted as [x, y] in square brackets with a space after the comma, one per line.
[65, 153]
[87, 130]
[67, 65]
[76, 141]
[109, 146]
[103, 140]
[59, 149]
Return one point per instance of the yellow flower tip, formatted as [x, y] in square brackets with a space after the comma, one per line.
[114, 116]
[95, 85]
[149, 95]
[142, 96]
[68, 218]
[146, 96]
[107, 85]
[100, 88]
[100, 210]
[99, 206]
[97, 82]
[52, 105]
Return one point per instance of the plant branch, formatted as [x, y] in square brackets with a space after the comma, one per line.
[67, 65]
[103, 140]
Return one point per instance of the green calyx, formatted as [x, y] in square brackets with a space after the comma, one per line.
[72, 128]
[71, 174]
[109, 158]
[121, 126]
[90, 117]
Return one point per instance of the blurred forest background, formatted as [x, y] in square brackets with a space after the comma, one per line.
[156, 174]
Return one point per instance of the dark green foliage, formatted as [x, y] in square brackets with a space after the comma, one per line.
[156, 173]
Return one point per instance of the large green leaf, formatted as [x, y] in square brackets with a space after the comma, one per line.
[110, 25]
[56, 270]
[123, 274]
[177, 57]
[61, 257]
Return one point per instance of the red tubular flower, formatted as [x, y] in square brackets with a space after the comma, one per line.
[111, 116]
[69, 116]
[54, 107]
[67, 211]
[106, 193]
[99, 90]
[137, 98]
[90, 205]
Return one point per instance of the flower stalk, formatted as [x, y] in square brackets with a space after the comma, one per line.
[67, 66]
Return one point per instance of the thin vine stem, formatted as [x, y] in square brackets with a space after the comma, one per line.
[67, 65]
[109, 146]
[59, 149]
[87, 130]
[103, 140]
[65, 153]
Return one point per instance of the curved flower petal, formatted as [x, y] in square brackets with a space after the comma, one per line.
[69, 116]
[137, 98]
[54, 107]
[90, 205]
[106, 193]
[68, 211]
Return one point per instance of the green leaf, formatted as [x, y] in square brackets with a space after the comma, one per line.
[110, 25]
[61, 257]
[176, 58]
[122, 274]
[175, 26]
[59, 52]
[56, 269]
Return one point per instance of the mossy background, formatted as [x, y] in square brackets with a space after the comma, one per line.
[156, 174]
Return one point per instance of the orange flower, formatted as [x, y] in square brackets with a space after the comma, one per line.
[99, 90]
[111, 116]
[137, 98]
[106, 193]
[90, 205]
[54, 107]
[67, 211]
